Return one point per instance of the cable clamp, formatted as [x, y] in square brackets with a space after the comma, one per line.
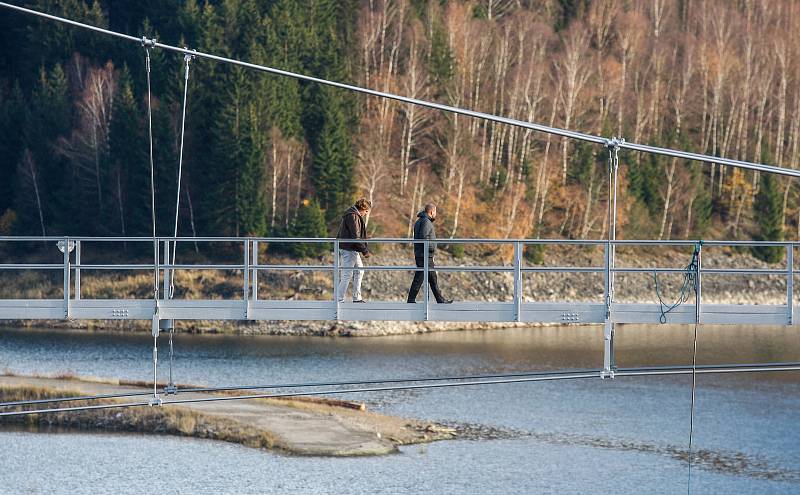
[171, 389]
[188, 57]
[148, 43]
[155, 401]
[614, 143]
[609, 373]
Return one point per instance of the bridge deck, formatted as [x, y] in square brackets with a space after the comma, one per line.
[249, 306]
[466, 311]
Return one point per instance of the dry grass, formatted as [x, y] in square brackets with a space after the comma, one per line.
[163, 420]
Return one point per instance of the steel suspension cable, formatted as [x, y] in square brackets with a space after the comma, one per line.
[147, 46]
[187, 58]
[306, 385]
[691, 411]
[152, 173]
[438, 106]
[447, 382]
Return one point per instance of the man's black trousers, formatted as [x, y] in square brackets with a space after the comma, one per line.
[419, 278]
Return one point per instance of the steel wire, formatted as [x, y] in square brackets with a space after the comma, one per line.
[448, 382]
[438, 106]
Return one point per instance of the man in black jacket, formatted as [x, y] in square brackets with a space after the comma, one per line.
[423, 229]
[354, 227]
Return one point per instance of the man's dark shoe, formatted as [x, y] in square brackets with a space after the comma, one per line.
[445, 301]
[360, 301]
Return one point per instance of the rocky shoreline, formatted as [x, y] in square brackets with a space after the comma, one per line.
[298, 426]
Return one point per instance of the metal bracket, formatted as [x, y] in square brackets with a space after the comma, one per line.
[614, 143]
[156, 327]
[188, 57]
[171, 389]
[149, 43]
[155, 401]
[609, 359]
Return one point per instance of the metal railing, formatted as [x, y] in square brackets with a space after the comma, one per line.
[252, 264]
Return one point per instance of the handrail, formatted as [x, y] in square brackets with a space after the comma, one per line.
[251, 264]
[405, 240]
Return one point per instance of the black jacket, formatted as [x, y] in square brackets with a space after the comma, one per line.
[423, 229]
[353, 226]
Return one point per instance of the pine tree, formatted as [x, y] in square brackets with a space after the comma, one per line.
[130, 162]
[309, 222]
[332, 167]
[165, 158]
[12, 138]
[48, 118]
[251, 205]
[441, 62]
[702, 207]
[769, 218]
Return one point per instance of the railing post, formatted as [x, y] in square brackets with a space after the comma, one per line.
[698, 313]
[336, 276]
[67, 312]
[518, 292]
[426, 247]
[255, 271]
[246, 282]
[790, 283]
[77, 270]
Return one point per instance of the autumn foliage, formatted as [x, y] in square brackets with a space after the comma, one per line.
[712, 76]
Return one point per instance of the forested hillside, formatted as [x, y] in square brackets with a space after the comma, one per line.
[273, 156]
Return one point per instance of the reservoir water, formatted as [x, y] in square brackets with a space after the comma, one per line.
[627, 435]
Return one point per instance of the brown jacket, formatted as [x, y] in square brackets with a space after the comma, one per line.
[353, 226]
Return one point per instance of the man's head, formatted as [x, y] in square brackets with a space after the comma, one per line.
[430, 209]
[363, 206]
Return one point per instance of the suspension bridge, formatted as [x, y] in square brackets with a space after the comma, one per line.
[163, 308]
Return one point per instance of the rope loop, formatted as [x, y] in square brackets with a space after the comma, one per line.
[689, 285]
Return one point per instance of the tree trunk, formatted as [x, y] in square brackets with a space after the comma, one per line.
[668, 198]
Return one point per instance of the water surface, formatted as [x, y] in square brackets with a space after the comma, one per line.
[622, 436]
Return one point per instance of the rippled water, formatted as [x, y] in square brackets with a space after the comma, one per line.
[628, 435]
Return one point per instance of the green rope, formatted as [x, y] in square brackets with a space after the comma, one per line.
[689, 284]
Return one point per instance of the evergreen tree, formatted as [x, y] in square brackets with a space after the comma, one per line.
[768, 210]
[251, 206]
[702, 207]
[48, 117]
[309, 222]
[165, 158]
[55, 113]
[332, 166]
[442, 62]
[12, 122]
[583, 163]
[229, 149]
[130, 161]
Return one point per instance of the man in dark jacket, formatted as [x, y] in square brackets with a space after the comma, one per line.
[423, 229]
[353, 227]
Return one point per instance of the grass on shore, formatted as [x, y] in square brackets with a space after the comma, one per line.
[161, 420]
